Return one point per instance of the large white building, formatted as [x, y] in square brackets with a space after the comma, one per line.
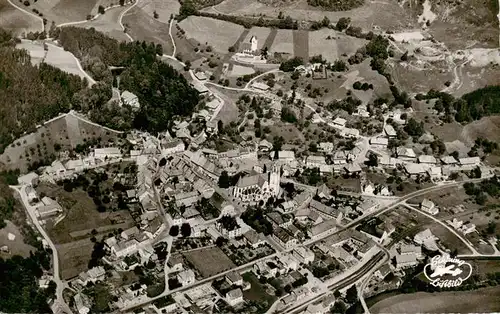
[258, 187]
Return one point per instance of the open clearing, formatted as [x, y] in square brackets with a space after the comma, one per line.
[222, 34]
[481, 300]
[142, 27]
[320, 45]
[164, 8]
[283, 42]
[209, 262]
[108, 24]
[74, 257]
[73, 10]
[16, 247]
[81, 215]
[63, 60]
[35, 50]
[18, 22]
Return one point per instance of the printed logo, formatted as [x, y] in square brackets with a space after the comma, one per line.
[446, 272]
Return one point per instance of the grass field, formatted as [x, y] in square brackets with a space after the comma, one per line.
[18, 22]
[481, 300]
[108, 24]
[222, 34]
[16, 247]
[73, 10]
[143, 27]
[261, 33]
[447, 238]
[74, 257]
[164, 8]
[209, 262]
[283, 42]
[301, 44]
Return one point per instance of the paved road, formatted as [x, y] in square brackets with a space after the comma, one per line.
[55, 258]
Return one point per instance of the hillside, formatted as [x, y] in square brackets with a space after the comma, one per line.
[30, 95]
[163, 92]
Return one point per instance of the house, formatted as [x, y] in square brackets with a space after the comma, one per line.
[285, 156]
[260, 86]
[74, 165]
[352, 168]
[130, 99]
[349, 133]
[388, 162]
[129, 233]
[314, 309]
[92, 275]
[340, 157]
[383, 271]
[199, 86]
[175, 263]
[407, 249]
[200, 75]
[307, 215]
[107, 153]
[315, 161]
[31, 194]
[29, 179]
[324, 192]
[427, 239]
[82, 303]
[449, 160]
[186, 277]
[435, 172]
[279, 220]
[303, 199]
[406, 153]
[234, 297]
[257, 187]
[122, 249]
[228, 227]
[390, 131]
[322, 229]
[286, 207]
[406, 261]
[48, 208]
[469, 162]
[379, 141]
[284, 238]
[172, 147]
[303, 255]
[339, 123]
[288, 262]
[427, 159]
[429, 207]
[234, 278]
[468, 228]
[265, 145]
[414, 170]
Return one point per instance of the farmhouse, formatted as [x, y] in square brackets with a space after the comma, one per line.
[427, 159]
[234, 297]
[48, 208]
[260, 86]
[284, 238]
[429, 207]
[303, 255]
[413, 169]
[406, 153]
[389, 131]
[130, 99]
[186, 277]
[449, 160]
[315, 161]
[406, 261]
[326, 147]
[379, 141]
[106, 153]
[469, 162]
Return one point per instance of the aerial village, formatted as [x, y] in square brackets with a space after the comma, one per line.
[214, 227]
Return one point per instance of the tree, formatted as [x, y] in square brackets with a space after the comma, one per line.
[174, 231]
[224, 180]
[185, 230]
[101, 9]
[338, 308]
[372, 160]
[352, 294]
[343, 23]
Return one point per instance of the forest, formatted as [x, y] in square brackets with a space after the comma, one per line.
[163, 92]
[30, 94]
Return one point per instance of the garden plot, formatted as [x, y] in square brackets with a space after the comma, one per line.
[163, 8]
[12, 19]
[222, 34]
[108, 23]
[239, 70]
[209, 261]
[283, 42]
[261, 33]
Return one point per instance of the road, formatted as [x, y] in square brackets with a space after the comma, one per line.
[21, 190]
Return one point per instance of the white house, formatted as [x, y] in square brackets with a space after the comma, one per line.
[106, 153]
[315, 161]
[406, 153]
[130, 99]
[303, 255]
[234, 297]
[339, 123]
[284, 238]
[186, 277]
[406, 261]
[28, 179]
[427, 159]
[389, 131]
[429, 207]
[172, 147]
[379, 141]
[326, 147]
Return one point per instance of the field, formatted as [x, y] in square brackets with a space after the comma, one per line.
[283, 42]
[140, 26]
[225, 36]
[67, 131]
[164, 8]
[18, 22]
[35, 50]
[209, 262]
[108, 24]
[74, 257]
[239, 70]
[301, 44]
[63, 60]
[481, 300]
[16, 247]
